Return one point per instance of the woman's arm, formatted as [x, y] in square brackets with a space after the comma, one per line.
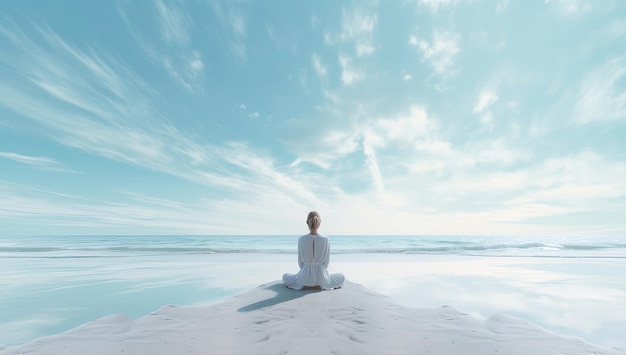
[326, 260]
[300, 252]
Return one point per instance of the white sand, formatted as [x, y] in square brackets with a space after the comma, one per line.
[272, 319]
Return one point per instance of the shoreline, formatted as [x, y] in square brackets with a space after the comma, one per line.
[272, 319]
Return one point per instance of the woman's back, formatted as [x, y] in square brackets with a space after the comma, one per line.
[313, 249]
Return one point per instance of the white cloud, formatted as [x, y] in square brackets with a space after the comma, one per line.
[326, 148]
[567, 184]
[440, 52]
[406, 128]
[487, 119]
[239, 25]
[482, 107]
[64, 97]
[485, 100]
[355, 24]
[348, 73]
[616, 30]
[502, 5]
[196, 64]
[315, 21]
[457, 187]
[495, 151]
[359, 28]
[174, 52]
[235, 24]
[412, 134]
[372, 164]
[229, 17]
[364, 49]
[568, 8]
[38, 162]
[435, 146]
[239, 49]
[137, 213]
[405, 169]
[601, 95]
[320, 69]
[434, 5]
[174, 24]
[186, 70]
[576, 178]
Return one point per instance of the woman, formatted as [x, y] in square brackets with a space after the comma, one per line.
[313, 258]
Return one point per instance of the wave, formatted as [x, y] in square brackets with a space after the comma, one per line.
[345, 246]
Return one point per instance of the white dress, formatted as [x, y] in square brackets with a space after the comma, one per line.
[313, 258]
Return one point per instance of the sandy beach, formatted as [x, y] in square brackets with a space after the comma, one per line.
[271, 319]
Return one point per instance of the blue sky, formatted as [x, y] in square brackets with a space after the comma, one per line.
[238, 117]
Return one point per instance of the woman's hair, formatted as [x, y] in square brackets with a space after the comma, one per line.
[313, 220]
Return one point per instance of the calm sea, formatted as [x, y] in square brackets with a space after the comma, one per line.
[571, 285]
[112, 245]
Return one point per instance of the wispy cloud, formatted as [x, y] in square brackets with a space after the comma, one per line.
[406, 76]
[357, 31]
[440, 51]
[434, 171]
[482, 106]
[234, 21]
[369, 143]
[131, 213]
[51, 209]
[239, 25]
[601, 95]
[406, 128]
[173, 48]
[567, 185]
[594, 97]
[38, 162]
[99, 106]
[575, 178]
[359, 28]
[484, 100]
[434, 5]
[501, 6]
[334, 144]
[174, 24]
[349, 74]
[360, 134]
[320, 69]
[569, 8]
[355, 39]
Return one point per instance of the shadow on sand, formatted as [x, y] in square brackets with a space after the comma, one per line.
[283, 294]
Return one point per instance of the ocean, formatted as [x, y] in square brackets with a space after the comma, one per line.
[571, 285]
[123, 246]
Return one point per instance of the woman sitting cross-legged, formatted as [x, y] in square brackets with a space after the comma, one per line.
[313, 258]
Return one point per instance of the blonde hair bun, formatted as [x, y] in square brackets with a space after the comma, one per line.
[313, 220]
